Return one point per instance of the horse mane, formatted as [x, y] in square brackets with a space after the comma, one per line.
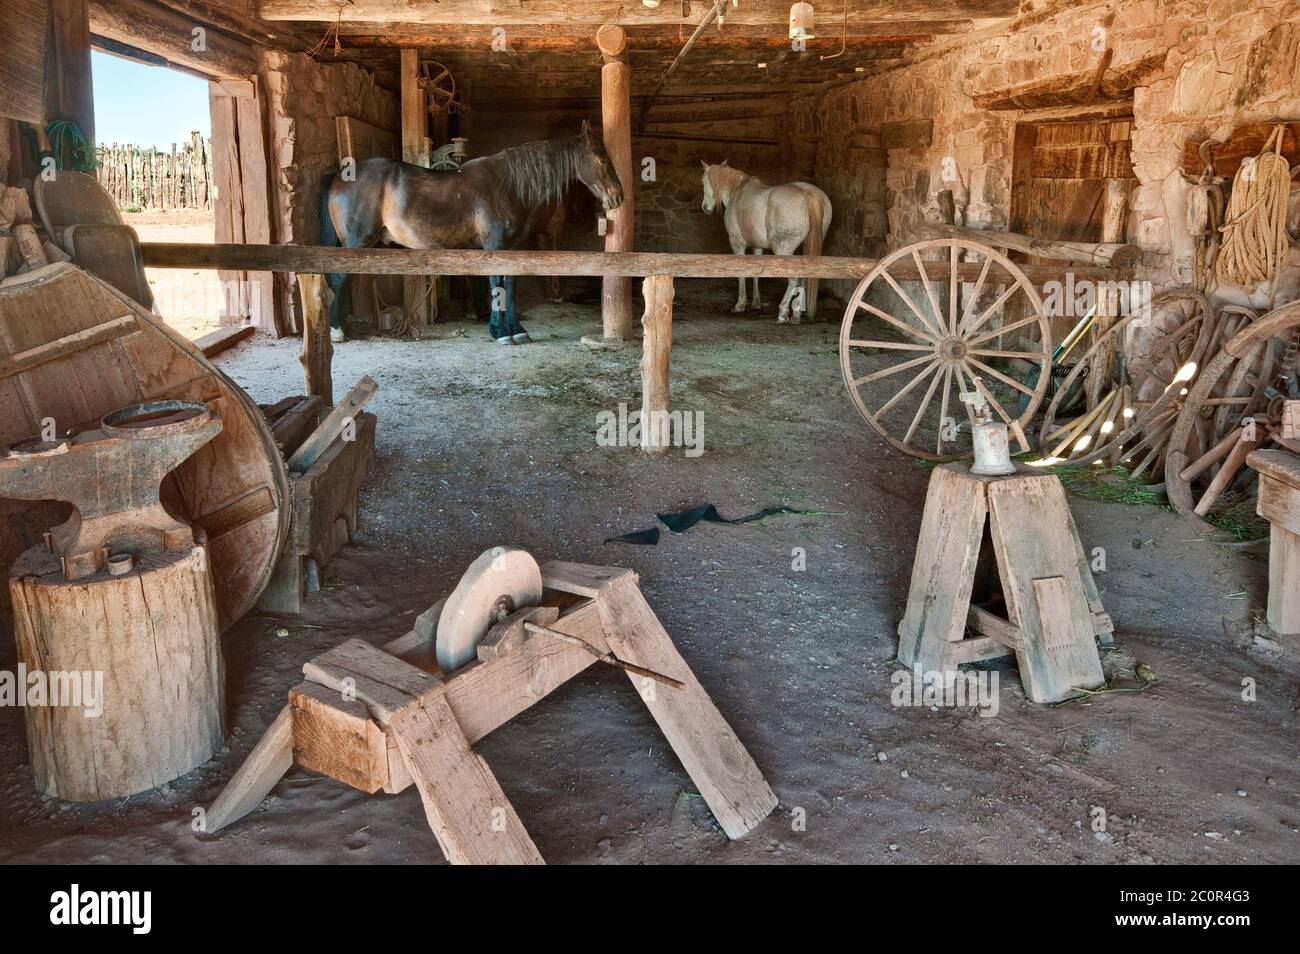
[725, 179]
[539, 172]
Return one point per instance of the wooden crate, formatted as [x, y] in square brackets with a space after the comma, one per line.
[323, 501]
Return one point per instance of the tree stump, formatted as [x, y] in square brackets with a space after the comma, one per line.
[152, 633]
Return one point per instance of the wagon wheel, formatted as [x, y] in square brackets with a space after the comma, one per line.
[1242, 380]
[1134, 413]
[952, 337]
[440, 84]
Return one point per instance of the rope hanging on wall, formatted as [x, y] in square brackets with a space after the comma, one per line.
[1254, 230]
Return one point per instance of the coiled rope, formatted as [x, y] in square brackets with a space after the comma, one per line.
[1254, 230]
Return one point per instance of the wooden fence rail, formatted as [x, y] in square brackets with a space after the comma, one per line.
[152, 179]
[320, 259]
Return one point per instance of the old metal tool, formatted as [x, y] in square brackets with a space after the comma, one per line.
[111, 477]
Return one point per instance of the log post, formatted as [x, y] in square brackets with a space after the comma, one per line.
[70, 94]
[317, 351]
[415, 288]
[657, 346]
[147, 643]
[616, 125]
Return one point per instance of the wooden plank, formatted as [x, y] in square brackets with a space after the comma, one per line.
[1278, 503]
[709, 750]
[215, 342]
[337, 737]
[943, 571]
[264, 767]
[361, 671]
[1030, 525]
[22, 62]
[361, 141]
[1284, 581]
[168, 34]
[263, 303]
[408, 261]
[32, 358]
[228, 200]
[474, 822]
[994, 627]
[583, 579]
[329, 429]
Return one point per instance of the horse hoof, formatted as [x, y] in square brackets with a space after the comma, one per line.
[521, 338]
[505, 340]
[337, 336]
[738, 309]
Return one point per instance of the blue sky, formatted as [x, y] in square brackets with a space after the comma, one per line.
[146, 105]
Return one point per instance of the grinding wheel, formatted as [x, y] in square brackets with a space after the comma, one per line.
[499, 582]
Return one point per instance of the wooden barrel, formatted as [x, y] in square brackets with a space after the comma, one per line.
[131, 670]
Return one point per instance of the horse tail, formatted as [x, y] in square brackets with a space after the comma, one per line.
[330, 236]
[812, 245]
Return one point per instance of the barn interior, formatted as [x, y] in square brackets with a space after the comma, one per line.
[987, 158]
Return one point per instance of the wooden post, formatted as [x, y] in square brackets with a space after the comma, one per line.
[317, 351]
[70, 94]
[616, 121]
[415, 288]
[657, 346]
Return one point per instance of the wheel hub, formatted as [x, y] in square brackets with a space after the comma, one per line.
[953, 349]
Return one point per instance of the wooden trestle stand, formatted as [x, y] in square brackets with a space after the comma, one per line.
[385, 719]
[1016, 529]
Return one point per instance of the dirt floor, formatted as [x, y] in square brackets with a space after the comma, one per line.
[481, 445]
[190, 300]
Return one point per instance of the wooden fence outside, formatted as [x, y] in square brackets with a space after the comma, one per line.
[148, 178]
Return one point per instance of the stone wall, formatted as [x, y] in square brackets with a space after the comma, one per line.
[304, 97]
[1193, 68]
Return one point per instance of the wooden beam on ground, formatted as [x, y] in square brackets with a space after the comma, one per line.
[402, 261]
[162, 32]
[215, 342]
[616, 127]
[657, 345]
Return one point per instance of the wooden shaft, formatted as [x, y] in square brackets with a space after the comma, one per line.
[317, 351]
[616, 118]
[415, 290]
[608, 658]
[69, 94]
[1103, 254]
[657, 345]
[406, 261]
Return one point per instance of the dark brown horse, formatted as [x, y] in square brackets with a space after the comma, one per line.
[495, 202]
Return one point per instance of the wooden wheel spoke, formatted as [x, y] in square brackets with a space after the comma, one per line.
[890, 345]
[907, 300]
[907, 389]
[995, 353]
[929, 291]
[894, 369]
[953, 286]
[974, 296]
[997, 304]
[988, 396]
[902, 325]
[925, 403]
[1005, 379]
[972, 342]
[943, 407]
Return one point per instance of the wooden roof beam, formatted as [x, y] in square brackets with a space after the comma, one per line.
[593, 13]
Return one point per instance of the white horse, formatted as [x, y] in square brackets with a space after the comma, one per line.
[781, 218]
